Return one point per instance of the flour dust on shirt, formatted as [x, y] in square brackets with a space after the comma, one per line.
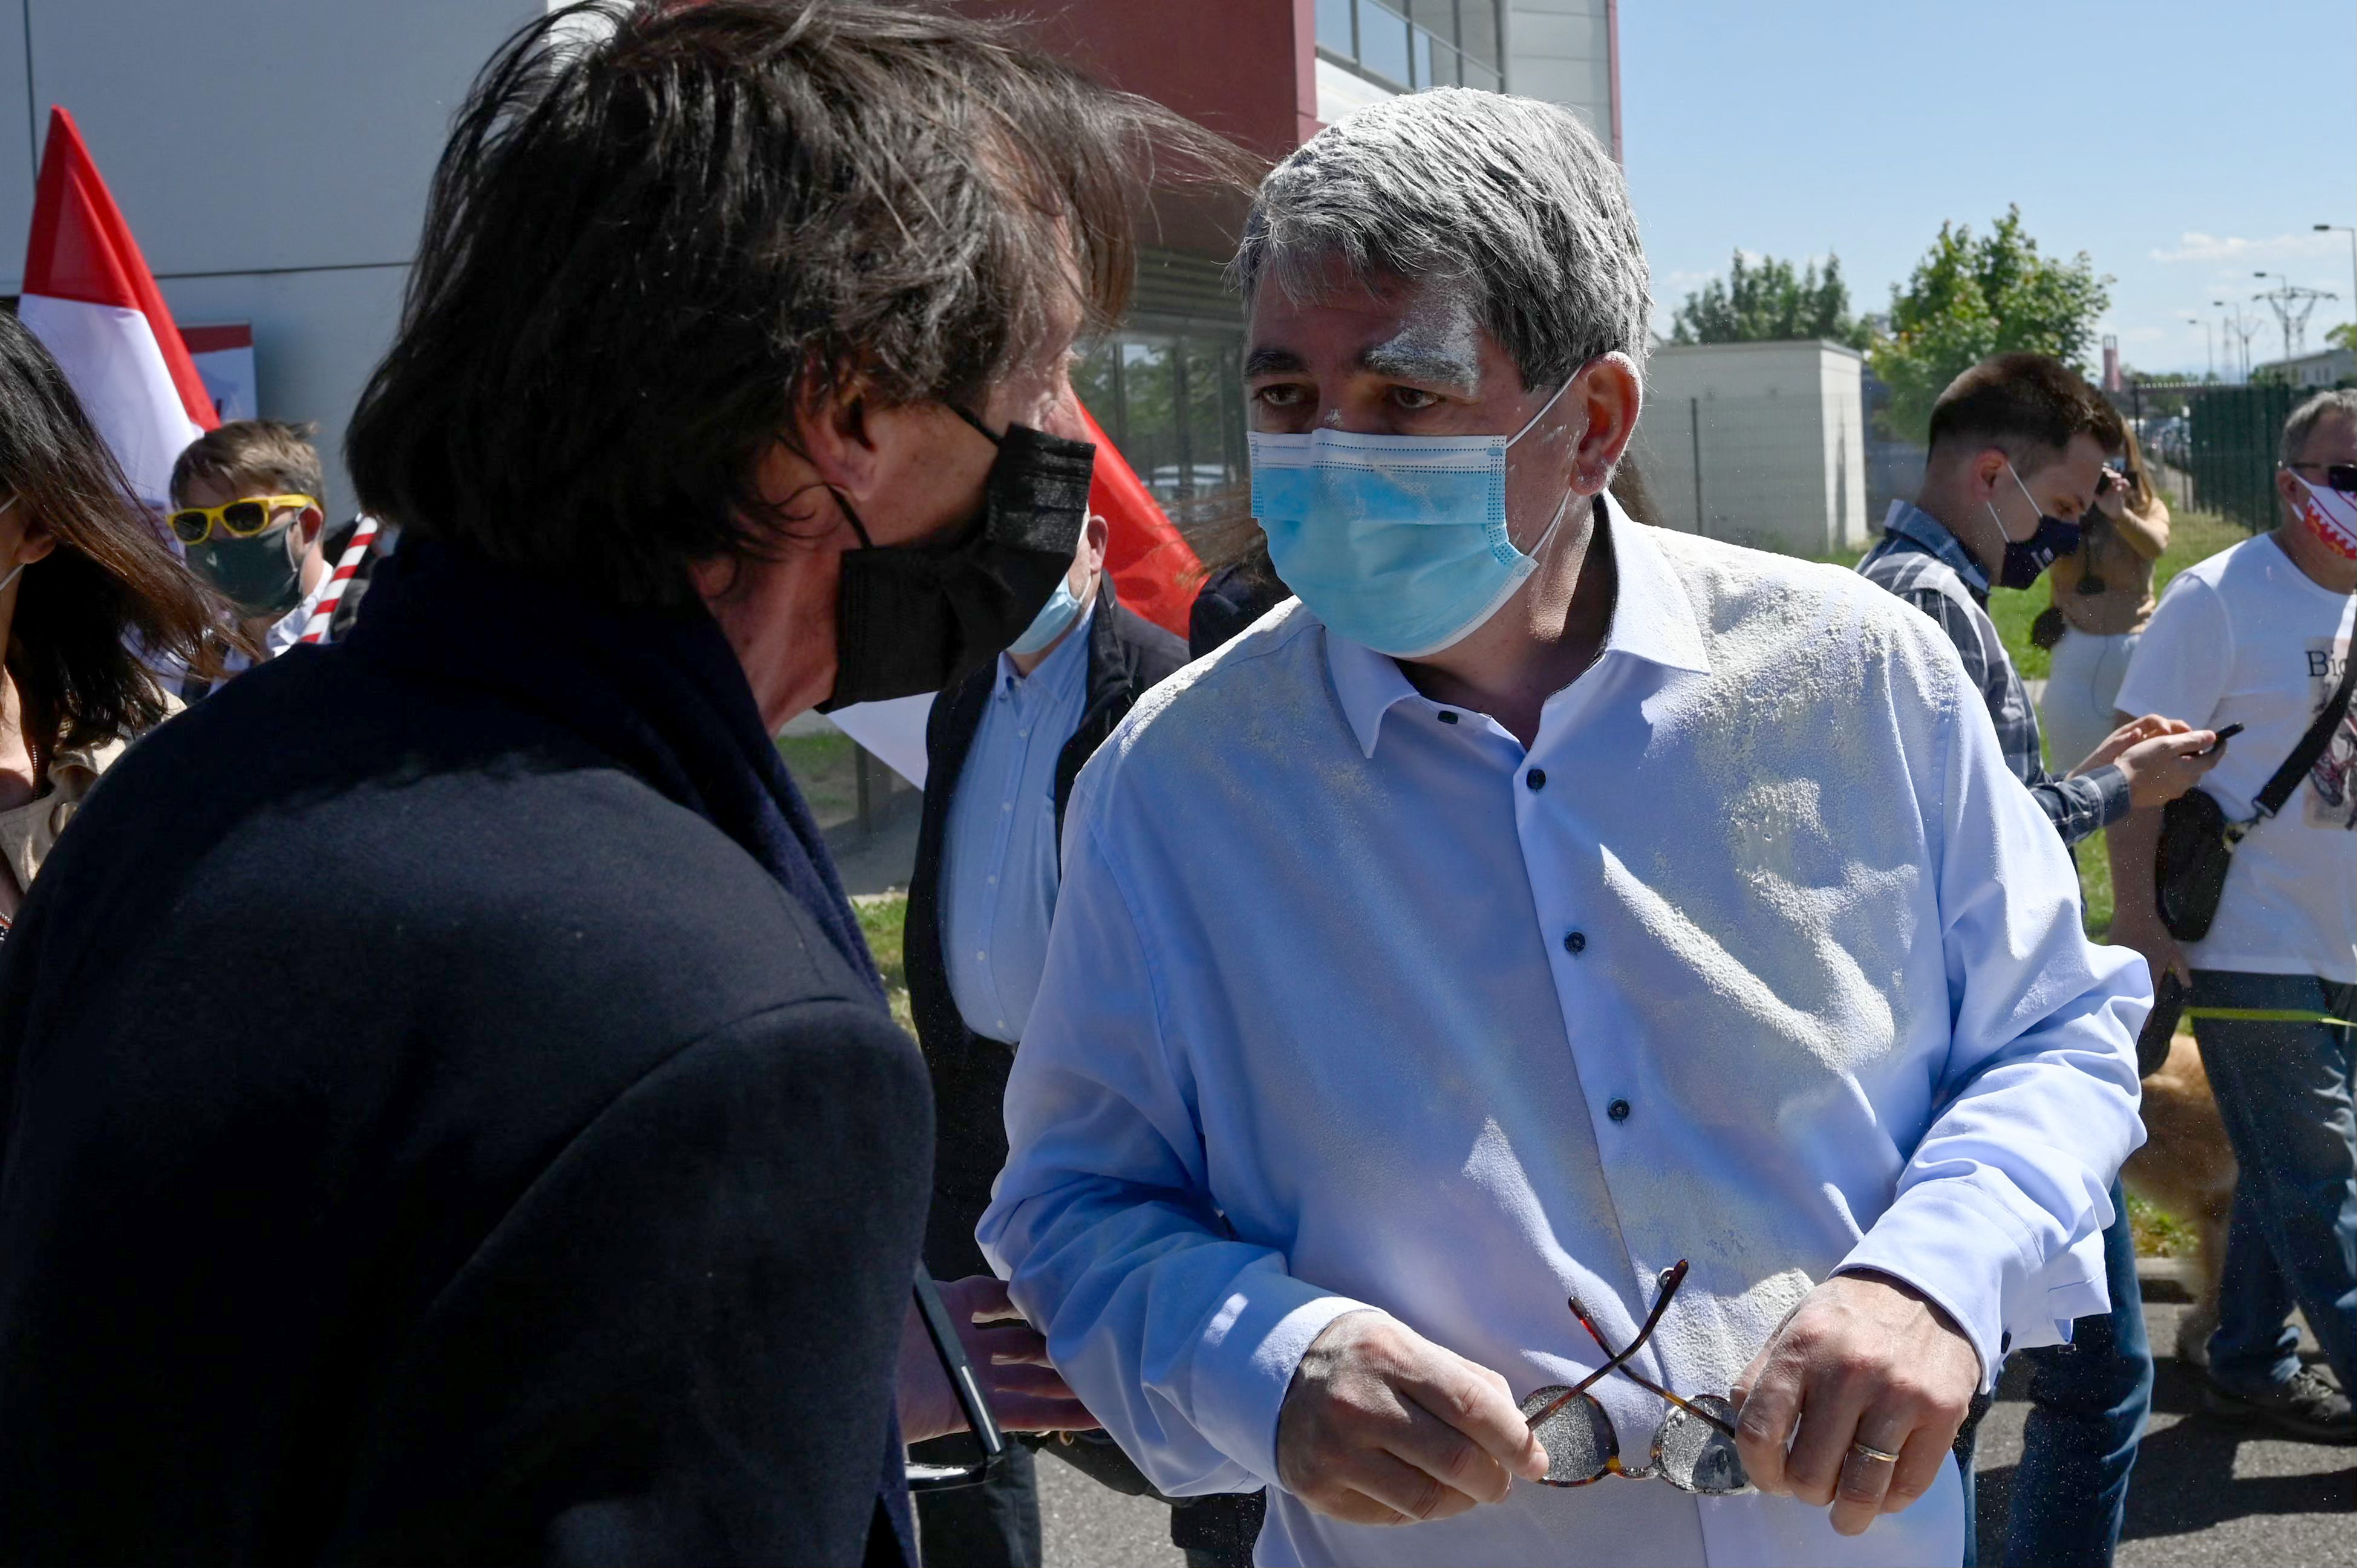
[1758, 956]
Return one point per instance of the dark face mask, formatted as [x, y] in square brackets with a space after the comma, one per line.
[911, 619]
[257, 574]
[2026, 558]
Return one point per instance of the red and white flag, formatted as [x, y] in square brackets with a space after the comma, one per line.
[90, 300]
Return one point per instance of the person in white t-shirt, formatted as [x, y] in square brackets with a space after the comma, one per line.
[2257, 636]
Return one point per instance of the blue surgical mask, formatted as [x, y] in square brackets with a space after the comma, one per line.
[1395, 542]
[1063, 608]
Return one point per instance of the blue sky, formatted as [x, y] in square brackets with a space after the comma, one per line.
[2183, 147]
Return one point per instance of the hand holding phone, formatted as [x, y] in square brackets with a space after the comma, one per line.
[2229, 733]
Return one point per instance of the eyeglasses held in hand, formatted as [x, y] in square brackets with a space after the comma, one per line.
[1694, 1449]
[951, 1350]
[238, 519]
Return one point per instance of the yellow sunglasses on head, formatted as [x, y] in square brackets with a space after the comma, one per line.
[238, 519]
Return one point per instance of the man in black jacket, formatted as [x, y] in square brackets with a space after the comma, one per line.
[531, 1171]
[1002, 749]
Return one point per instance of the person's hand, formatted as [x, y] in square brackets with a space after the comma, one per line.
[1382, 1426]
[2148, 936]
[2112, 500]
[2126, 735]
[2161, 769]
[1010, 1363]
[1863, 1359]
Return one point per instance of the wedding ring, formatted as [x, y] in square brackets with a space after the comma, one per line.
[1866, 1451]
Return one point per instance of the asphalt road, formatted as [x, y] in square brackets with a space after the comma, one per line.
[2203, 1492]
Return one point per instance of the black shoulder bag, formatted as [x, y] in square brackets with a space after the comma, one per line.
[2197, 842]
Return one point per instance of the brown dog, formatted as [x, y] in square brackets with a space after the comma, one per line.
[2187, 1167]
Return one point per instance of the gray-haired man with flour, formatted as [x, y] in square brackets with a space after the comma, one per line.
[1561, 1003]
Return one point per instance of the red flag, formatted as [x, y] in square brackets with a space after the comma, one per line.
[90, 299]
[1155, 570]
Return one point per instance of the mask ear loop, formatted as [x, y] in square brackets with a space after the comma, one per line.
[1531, 554]
[21, 565]
[1550, 403]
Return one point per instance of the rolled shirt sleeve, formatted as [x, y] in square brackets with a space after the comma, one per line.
[2000, 1208]
[1181, 1339]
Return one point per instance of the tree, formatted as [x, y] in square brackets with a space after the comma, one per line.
[2343, 337]
[1971, 297]
[1770, 303]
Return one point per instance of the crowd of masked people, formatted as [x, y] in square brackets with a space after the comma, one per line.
[450, 1112]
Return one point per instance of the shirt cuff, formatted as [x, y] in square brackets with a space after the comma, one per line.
[2111, 793]
[1248, 1355]
[1924, 1240]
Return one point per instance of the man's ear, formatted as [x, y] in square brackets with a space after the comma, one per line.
[2287, 486]
[1603, 420]
[1988, 470]
[35, 542]
[832, 429]
[1095, 534]
[309, 523]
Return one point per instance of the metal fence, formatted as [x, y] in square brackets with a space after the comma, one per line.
[2217, 443]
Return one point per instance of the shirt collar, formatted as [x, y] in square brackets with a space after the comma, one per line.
[1652, 620]
[287, 629]
[1912, 524]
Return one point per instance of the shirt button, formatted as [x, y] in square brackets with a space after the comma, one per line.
[1617, 1110]
[1007, 805]
[1575, 942]
[994, 881]
[1535, 778]
[1447, 717]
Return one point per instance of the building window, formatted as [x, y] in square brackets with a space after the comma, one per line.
[1173, 403]
[1408, 45]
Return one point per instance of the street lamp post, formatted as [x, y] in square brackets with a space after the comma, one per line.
[2352, 232]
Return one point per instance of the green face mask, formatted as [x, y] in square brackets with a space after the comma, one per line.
[257, 574]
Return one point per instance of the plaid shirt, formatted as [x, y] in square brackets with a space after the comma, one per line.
[1922, 562]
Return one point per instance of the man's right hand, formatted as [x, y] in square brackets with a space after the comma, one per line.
[2165, 766]
[1382, 1426]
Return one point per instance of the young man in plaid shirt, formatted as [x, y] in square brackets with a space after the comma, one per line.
[2017, 446]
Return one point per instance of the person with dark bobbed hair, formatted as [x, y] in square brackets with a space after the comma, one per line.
[84, 580]
[451, 1112]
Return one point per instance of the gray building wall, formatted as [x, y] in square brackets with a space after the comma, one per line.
[1562, 50]
[271, 155]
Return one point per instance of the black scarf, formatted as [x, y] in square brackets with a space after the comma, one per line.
[660, 692]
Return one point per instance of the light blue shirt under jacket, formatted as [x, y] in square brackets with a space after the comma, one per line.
[998, 863]
[1759, 957]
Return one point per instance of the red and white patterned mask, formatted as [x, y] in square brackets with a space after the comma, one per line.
[2332, 516]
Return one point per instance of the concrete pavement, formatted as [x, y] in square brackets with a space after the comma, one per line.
[2203, 1492]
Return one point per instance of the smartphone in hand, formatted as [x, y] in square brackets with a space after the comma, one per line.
[2229, 733]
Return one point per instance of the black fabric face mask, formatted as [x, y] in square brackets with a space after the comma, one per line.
[911, 619]
[2026, 558]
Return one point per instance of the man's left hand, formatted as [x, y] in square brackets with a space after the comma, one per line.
[1009, 1360]
[1864, 1363]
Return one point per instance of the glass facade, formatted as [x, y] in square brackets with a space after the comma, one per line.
[1409, 45]
[1173, 402]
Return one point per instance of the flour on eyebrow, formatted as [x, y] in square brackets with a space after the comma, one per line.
[1442, 329]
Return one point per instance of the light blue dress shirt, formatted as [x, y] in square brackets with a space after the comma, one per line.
[1758, 957]
[998, 859]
